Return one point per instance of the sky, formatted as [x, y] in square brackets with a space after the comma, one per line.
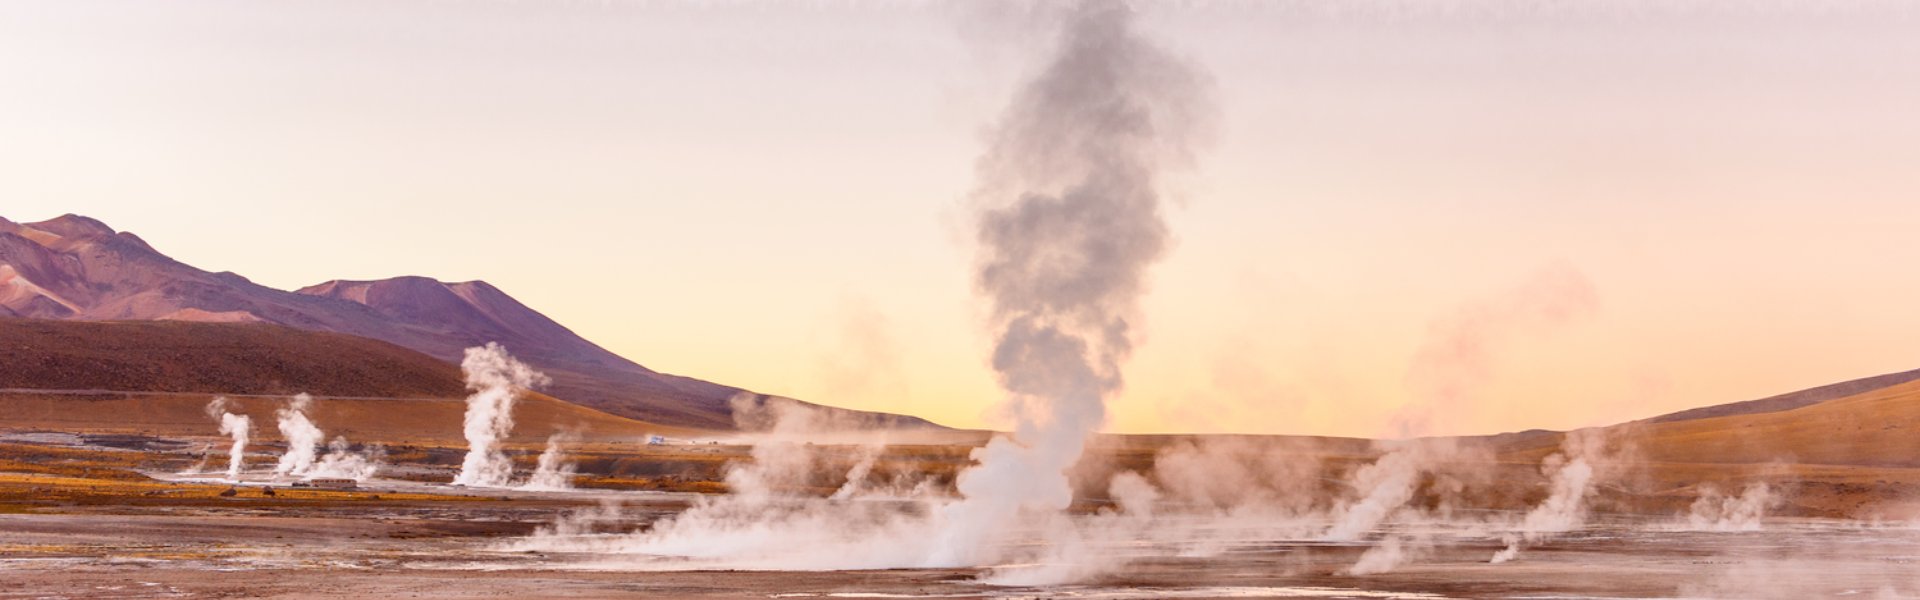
[1475, 216]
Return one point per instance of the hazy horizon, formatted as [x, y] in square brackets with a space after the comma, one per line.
[1577, 215]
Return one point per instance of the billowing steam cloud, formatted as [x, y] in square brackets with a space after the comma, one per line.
[239, 427]
[553, 472]
[341, 462]
[767, 520]
[303, 437]
[1447, 373]
[1386, 485]
[303, 459]
[1714, 511]
[1069, 220]
[496, 380]
[1571, 476]
[1384, 488]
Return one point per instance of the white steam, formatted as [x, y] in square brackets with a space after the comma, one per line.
[1261, 482]
[857, 484]
[1382, 490]
[236, 426]
[1070, 219]
[1388, 555]
[303, 459]
[553, 473]
[1508, 553]
[1384, 486]
[303, 437]
[1714, 511]
[774, 516]
[496, 380]
[1449, 370]
[341, 462]
[1571, 476]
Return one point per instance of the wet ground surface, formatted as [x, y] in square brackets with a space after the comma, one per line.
[458, 552]
[81, 527]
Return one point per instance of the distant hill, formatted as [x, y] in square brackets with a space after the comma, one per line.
[214, 358]
[157, 376]
[1878, 427]
[459, 315]
[76, 268]
[425, 421]
[1792, 400]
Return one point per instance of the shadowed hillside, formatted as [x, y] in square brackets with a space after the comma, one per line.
[157, 377]
[417, 421]
[465, 314]
[77, 268]
[214, 358]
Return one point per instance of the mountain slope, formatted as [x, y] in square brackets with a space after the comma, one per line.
[472, 313]
[421, 421]
[156, 377]
[1872, 428]
[77, 268]
[1792, 400]
[214, 358]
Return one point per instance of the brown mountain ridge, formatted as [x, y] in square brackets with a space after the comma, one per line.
[76, 268]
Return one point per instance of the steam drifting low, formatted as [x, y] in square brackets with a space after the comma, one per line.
[553, 472]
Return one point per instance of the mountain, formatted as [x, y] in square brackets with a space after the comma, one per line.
[460, 315]
[77, 268]
[162, 374]
[1792, 400]
[214, 358]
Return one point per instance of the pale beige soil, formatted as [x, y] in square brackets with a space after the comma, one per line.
[447, 552]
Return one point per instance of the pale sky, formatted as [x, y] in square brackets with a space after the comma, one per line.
[771, 195]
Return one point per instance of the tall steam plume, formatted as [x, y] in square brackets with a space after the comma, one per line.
[496, 380]
[303, 437]
[1069, 219]
[239, 427]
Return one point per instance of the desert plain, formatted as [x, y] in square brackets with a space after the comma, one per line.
[94, 507]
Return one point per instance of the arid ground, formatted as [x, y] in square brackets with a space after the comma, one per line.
[107, 514]
[419, 549]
